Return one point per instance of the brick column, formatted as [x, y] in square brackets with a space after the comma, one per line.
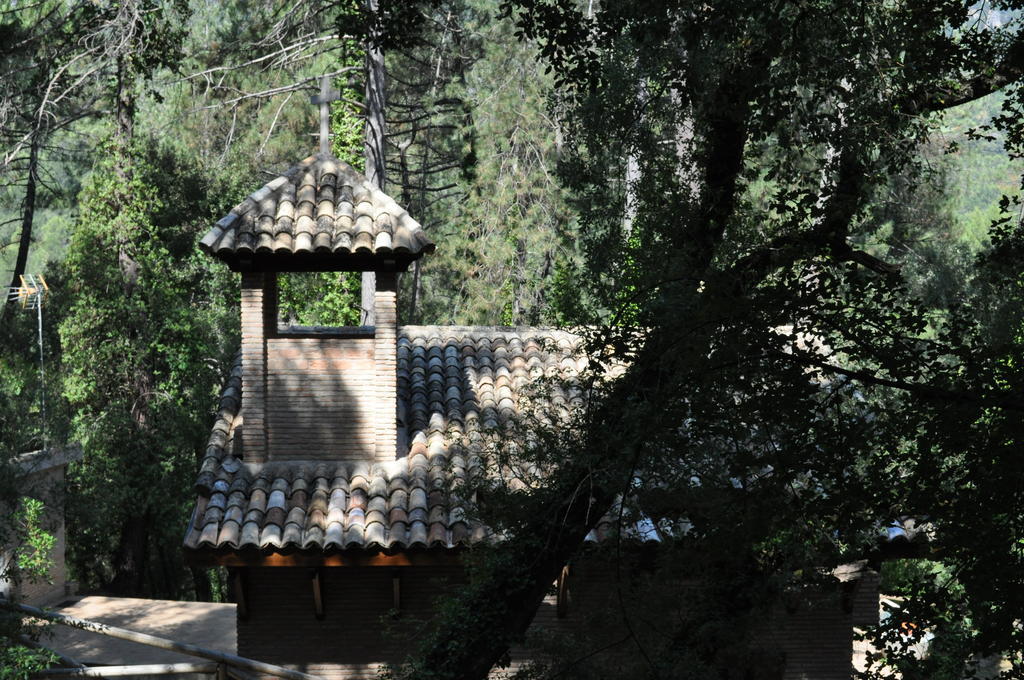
[257, 306]
[385, 351]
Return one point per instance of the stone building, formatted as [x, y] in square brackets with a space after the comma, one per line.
[327, 488]
[40, 475]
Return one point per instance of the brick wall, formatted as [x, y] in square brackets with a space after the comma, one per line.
[320, 398]
[864, 600]
[386, 366]
[317, 396]
[257, 289]
[357, 633]
[817, 641]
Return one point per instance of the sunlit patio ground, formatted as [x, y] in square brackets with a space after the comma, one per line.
[201, 623]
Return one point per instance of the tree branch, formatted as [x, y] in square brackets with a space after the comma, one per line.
[921, 390]
[1009, 70]
[299, 85]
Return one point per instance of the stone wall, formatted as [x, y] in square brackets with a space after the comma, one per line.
[44, 478]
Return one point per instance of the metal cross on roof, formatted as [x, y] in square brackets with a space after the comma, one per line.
[324, 99]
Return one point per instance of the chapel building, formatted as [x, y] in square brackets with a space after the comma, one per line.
[330, 484]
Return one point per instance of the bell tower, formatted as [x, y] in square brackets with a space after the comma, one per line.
[315, 393]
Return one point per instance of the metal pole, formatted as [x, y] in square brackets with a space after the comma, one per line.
[42, 365]
[163, 643]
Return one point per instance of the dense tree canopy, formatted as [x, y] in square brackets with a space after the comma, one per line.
[791, 391]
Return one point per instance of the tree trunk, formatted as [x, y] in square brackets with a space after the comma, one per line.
[407, 199]
[125, 115]
[373, 144]
[632, 173]
[684, 143]
[28, 209]
[131, 557]
[519, 305]
[415, 301]
[123, 135]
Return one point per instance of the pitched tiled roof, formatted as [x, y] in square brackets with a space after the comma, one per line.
[320, 206]
[453, 384]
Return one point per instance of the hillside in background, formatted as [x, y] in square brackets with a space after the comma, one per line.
[981, 172]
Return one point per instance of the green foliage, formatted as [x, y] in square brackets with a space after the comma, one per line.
[18, 662]
[33, 557]
[319, 299]
[982, 170]
[148, 334]
[40, 44]
[785, 391]
[786, 397]
[926, 629]
[21, 386]
[503, 226]
[30, 545]
[346, 115]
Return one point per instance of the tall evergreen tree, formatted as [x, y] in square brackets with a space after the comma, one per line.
[474, 152]
[136, 336]
[49, 76]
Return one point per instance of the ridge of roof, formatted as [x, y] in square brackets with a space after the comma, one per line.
[445, 331]
[319, 206]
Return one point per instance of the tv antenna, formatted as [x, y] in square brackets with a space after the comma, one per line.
[30, 295]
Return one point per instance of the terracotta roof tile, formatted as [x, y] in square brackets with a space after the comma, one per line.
[320, 206]
[452, 383]
[229, 534]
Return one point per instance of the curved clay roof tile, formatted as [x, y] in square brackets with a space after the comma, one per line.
[412, 502]
[320, 195]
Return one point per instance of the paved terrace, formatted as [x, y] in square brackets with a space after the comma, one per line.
[200, 623]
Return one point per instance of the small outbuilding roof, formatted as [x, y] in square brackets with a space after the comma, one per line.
[320, 214]
[454, 385]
